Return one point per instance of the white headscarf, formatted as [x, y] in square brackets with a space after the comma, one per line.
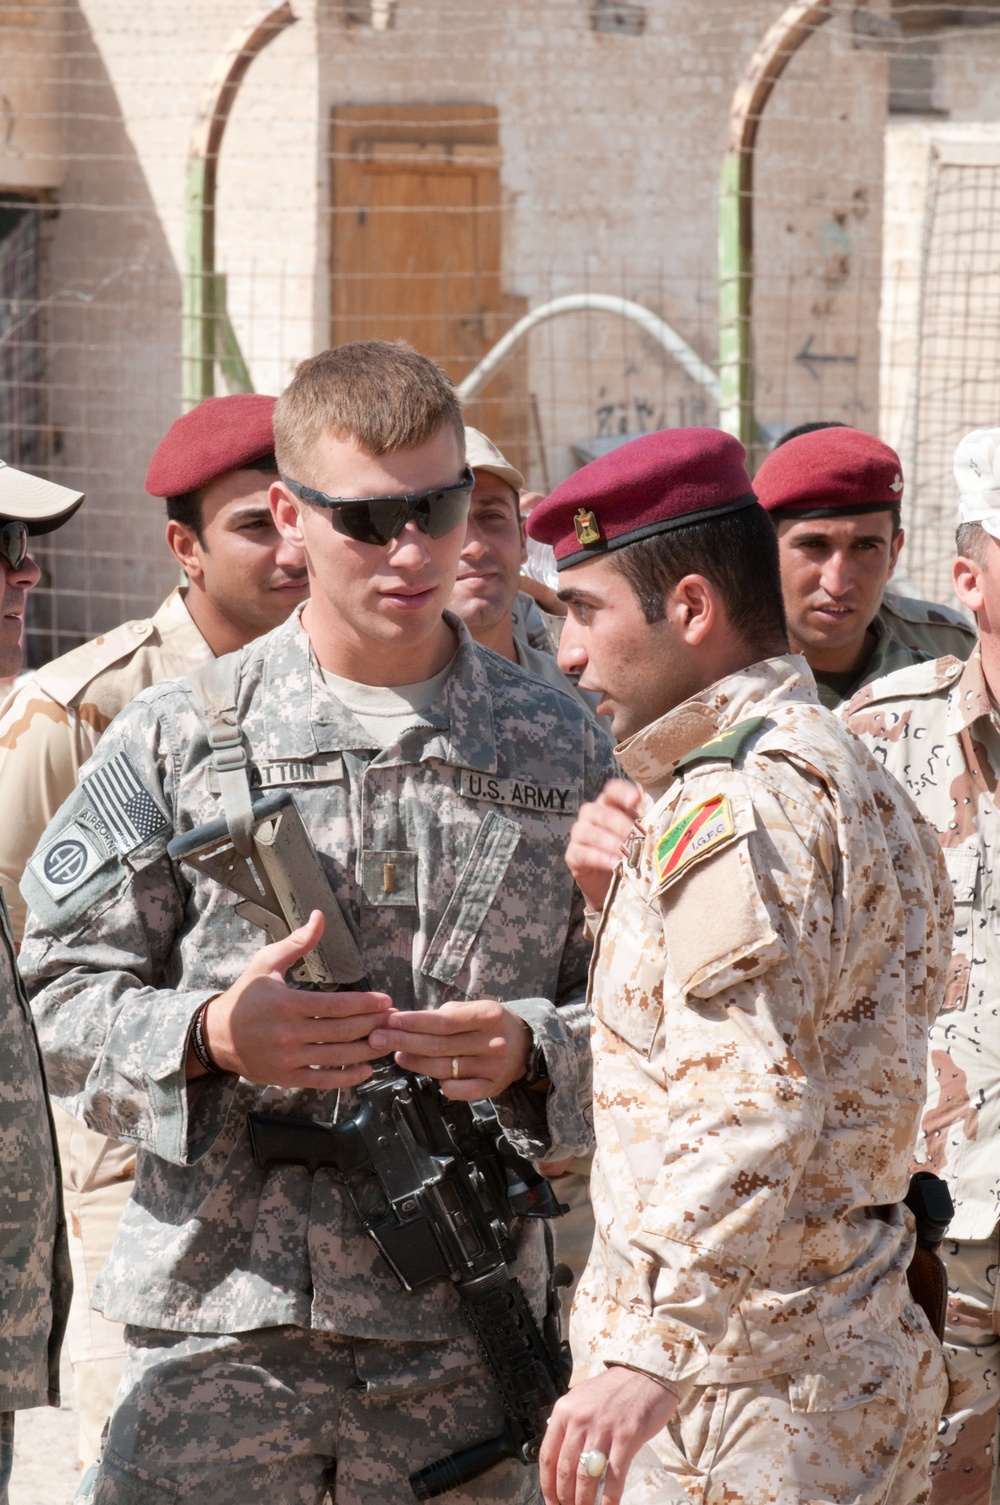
[977, 471]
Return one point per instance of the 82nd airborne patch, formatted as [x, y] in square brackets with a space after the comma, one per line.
[67, 862]
[698, 832]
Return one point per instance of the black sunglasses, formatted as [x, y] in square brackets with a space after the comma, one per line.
[13, 544]
[379, 519]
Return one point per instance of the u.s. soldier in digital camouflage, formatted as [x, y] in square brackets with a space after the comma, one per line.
[486, 596]
[835, 495]
[35, 1281]
[937, 729]
[772, 949]
[272, 1353]
[214, 467]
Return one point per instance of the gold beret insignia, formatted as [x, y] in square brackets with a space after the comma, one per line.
[587, 527]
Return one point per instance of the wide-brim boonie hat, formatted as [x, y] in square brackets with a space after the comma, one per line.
[42, 505]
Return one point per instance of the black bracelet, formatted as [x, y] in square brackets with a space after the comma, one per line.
[199, 1044]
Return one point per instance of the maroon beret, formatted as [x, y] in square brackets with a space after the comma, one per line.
[647, 486]
[219, 435]
[830, 472]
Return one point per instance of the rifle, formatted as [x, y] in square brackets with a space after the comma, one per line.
[436, 1184]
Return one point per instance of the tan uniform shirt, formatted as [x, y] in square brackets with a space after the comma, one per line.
[51, 725]
[771, 954]
[935, 728]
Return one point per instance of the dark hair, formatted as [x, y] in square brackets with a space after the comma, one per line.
[737, 553]
[834, 513]
[808, 428]
[186, 508]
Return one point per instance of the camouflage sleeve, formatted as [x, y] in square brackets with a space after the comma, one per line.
[728, 1103]
[42, 745]
[99, 947]
[559, 1123]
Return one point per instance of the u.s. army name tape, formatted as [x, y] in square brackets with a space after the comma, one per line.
[555, 799]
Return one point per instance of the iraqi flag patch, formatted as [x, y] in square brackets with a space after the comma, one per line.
[699, 831]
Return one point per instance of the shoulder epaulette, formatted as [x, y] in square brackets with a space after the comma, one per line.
[928, 678]
[65, 677]
[726, 745]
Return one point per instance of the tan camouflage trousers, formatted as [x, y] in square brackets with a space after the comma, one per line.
[97, 1183]
[295, 1418]
[964, 1467]
[857, 1431]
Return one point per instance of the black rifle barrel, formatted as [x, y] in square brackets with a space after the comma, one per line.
[459, 1468]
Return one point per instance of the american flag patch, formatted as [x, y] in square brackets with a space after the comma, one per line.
[128, 811]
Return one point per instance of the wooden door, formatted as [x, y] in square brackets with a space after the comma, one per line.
[416, 244]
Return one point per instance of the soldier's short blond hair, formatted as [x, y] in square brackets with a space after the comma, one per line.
[383, 396]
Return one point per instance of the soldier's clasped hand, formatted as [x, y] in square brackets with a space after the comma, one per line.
[475, 1049]
[265, 1031]
[595, 843]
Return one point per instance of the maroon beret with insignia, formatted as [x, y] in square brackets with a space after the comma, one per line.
[646, 486]
[829, 473]
[219, 435]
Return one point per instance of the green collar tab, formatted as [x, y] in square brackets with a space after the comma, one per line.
[726, 745]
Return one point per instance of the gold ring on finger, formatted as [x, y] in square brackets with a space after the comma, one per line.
[454, 1068]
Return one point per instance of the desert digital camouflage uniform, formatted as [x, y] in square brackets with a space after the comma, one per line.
[48, 730]
[907, 632]
[936, 729]
[772, 951]
[473, 809]
[35, 1282]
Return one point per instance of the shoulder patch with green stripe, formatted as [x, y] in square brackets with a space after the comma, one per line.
[707, 827]
[726, 745]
